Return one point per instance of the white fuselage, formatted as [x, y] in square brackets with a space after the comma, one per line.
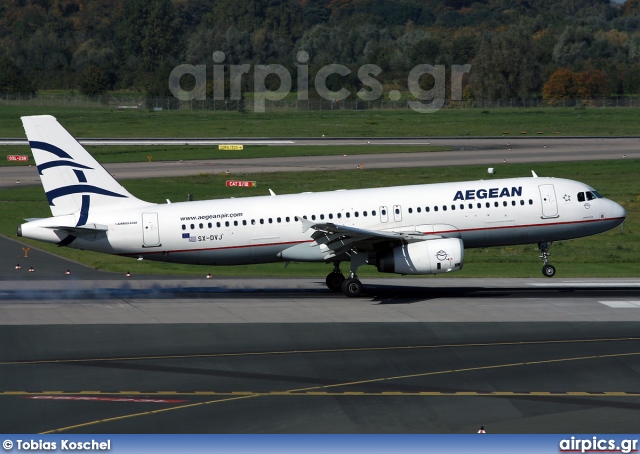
[262, 229]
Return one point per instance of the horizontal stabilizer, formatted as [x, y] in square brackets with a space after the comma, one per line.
[83, 230]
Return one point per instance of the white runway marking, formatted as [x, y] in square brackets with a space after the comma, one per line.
[622, 304]
[585, 284]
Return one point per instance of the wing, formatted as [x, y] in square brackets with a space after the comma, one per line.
[335, 239]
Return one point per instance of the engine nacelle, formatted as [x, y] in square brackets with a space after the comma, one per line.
[425, 257]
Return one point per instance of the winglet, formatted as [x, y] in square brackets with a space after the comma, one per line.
[534, 174]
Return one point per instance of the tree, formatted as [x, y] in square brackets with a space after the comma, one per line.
[565, 84]
[93, 81]
[502, 68]
[592, 83]
[561, 85]
[13, 80]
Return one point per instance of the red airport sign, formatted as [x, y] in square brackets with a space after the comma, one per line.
[17, 157]
[241, 184]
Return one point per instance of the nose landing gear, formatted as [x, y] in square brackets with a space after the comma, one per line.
[547, 270]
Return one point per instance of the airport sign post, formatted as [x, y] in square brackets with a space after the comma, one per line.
[241, 184]
[17, 157]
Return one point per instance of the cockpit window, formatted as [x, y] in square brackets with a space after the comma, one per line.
[589, 195]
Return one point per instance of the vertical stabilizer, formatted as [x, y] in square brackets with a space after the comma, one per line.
[74, 182]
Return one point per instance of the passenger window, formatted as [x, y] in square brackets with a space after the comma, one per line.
[495, 204]
[218, 224]
[471, 206]
[435, 208]
[453, 207]
[522, 202]
[209, 225]
[383, 212]
[270, 221]
[410, 210]
[580, 196]
[356, 214]
[288, 219]
[444, 208]
[244, 222]
[279, 220]
[419, 210]
[261, 221]
[479, 205]
[462, 206]
[373, 212]
[530, 202]
[253, 222]
[184, 227]
[193, 226]
[348, 214]
[339, 215]
[513, 203]
[313, 217]
[397, 210]
[226, 224]
[504, 203]
[201, 226]
[235, 223]
[322, 217]
[488, 205]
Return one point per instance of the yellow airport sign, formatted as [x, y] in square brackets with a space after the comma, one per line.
[230, 147]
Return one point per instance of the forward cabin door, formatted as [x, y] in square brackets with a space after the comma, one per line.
[549, 202]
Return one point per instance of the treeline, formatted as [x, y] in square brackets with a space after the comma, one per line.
[515, 47]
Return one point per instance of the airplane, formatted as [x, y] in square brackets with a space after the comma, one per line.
[408, 230]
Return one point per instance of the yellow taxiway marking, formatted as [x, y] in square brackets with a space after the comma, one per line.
[336, 350]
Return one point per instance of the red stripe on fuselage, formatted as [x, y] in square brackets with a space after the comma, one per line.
[429, 233]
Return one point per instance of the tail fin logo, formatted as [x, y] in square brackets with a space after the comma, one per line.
[74, 188]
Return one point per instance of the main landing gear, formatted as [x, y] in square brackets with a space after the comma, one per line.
[351, 286]
[335, 278]
[547, 270]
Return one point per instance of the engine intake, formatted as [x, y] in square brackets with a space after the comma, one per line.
[425, 257]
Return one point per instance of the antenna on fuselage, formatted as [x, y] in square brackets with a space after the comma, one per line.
[534, 174]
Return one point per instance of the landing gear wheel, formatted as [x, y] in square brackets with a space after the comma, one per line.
[549, 270]
[352, 287]
[334, 281]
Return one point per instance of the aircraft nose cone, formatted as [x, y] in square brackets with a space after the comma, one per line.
[618, 212]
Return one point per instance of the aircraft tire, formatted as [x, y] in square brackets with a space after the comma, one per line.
[334, 281]
[352, 287]
[549, 270]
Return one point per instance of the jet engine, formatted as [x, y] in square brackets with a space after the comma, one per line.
[425, 257]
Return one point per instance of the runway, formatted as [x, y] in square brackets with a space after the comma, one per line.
[475, 151]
